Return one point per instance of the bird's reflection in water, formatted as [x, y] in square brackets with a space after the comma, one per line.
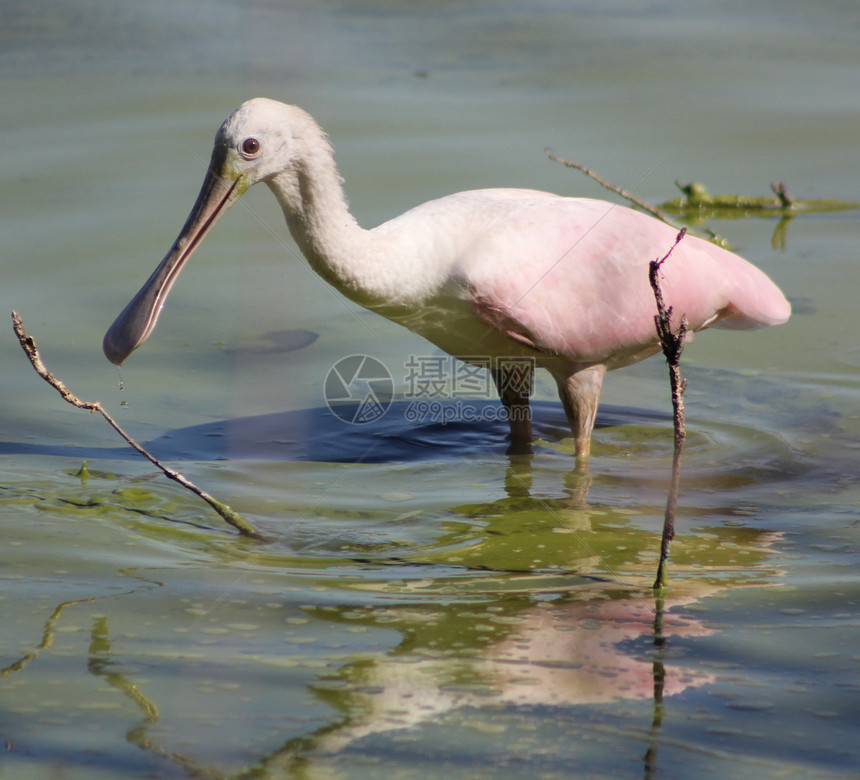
[576, 627]
[541, 638]
[561, 653]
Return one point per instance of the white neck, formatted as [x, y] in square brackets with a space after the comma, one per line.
[318, 217]
[391, 266]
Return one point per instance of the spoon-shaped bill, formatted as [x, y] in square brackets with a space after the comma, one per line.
[137, 320]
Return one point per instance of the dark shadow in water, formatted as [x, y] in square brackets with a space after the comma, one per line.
[318, 435]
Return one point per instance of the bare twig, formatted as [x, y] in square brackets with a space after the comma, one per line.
[29, 346]
[612, 188]
[709, 234]
[673, 346]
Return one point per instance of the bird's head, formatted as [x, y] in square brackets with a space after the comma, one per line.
[259, 140]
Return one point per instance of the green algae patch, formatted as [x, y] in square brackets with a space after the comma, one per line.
[697, 201]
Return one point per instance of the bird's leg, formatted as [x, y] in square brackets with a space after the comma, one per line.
[580, 395]
[514, 382]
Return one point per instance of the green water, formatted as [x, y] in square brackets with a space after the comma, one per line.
[426, 606]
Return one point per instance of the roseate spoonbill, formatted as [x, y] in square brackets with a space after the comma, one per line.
[486, 274]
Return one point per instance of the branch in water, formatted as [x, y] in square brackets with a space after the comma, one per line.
[641, 204]
[29, 346]
[612, 188]
[673, 346]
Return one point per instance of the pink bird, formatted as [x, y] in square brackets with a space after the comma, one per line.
[516, 276]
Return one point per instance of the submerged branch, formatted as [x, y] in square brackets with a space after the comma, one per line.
[47, 637]
[673, 346]
[31, 350]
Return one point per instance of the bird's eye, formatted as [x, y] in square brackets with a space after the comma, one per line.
[250, 147]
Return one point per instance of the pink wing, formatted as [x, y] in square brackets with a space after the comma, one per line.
[573, 281]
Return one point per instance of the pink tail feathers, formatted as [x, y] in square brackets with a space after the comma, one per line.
[755, 300]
